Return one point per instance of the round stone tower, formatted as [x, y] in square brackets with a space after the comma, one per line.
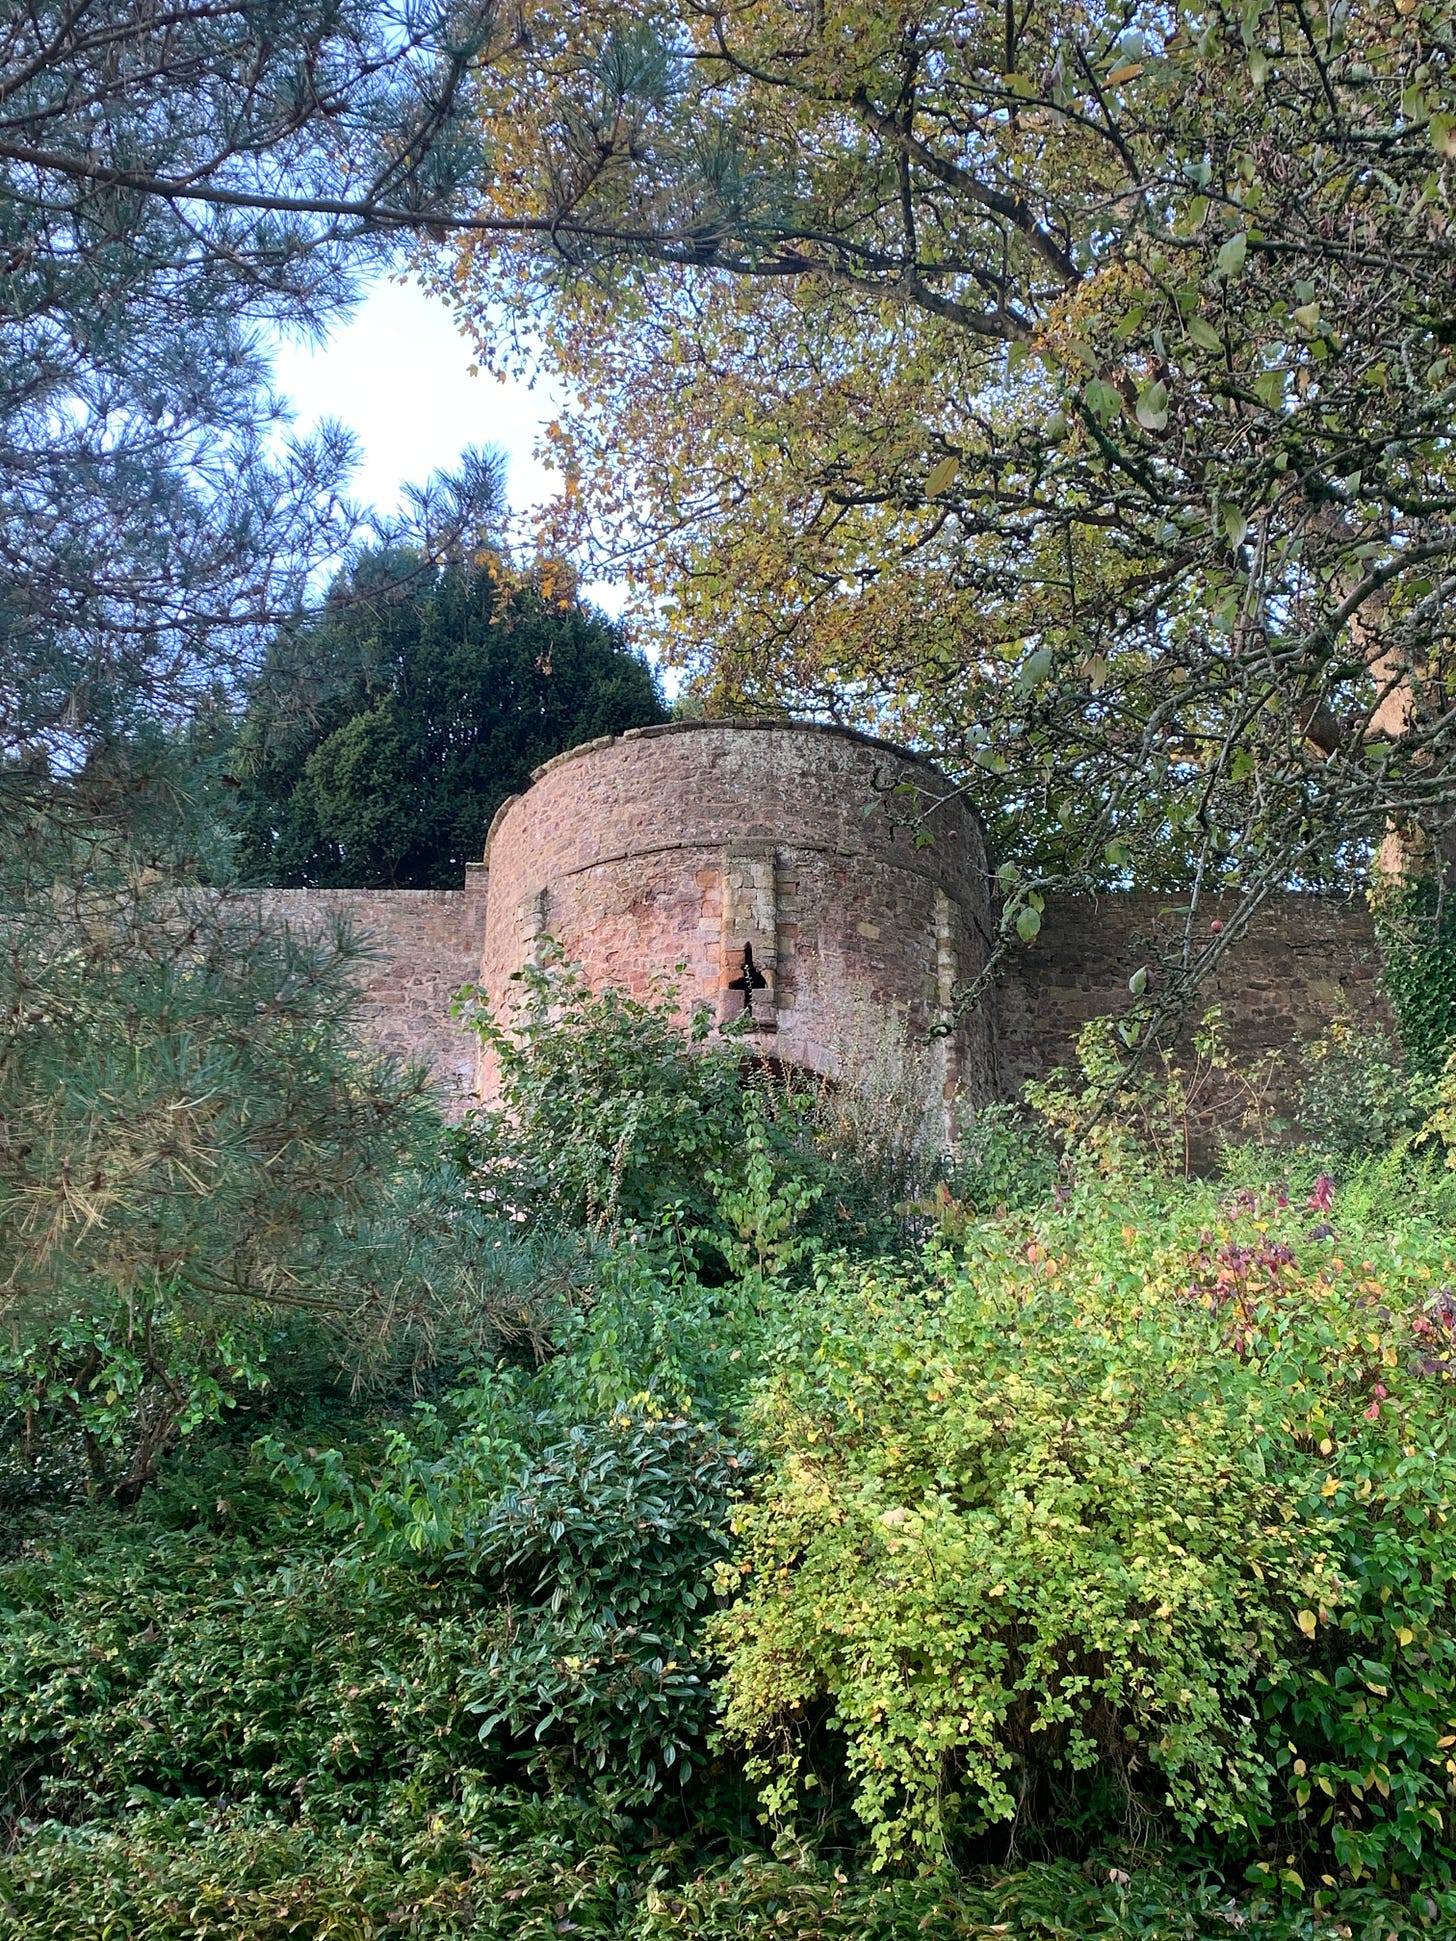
[801, 872]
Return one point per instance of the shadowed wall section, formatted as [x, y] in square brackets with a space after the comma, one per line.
[1302, 957]
[424, 945]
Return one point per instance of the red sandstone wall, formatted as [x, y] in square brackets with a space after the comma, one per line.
[427, 944]
[1278, 984]
[674, 846]
[669, 847]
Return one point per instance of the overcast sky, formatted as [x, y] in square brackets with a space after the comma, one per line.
[398, 376]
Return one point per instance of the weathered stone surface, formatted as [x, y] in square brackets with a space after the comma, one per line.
[657, 855]
[424, 944]
[1303, 955]
[661, 855]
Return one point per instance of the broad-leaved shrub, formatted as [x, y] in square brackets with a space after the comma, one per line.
[1114, 1511]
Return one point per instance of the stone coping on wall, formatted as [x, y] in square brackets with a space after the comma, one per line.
[746, 723]
[782, 724]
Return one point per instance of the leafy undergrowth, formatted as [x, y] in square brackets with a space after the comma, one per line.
[1083, 1575]
[1139, 1509]
[513, 1866]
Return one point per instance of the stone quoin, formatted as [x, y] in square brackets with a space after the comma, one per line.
[854, 873]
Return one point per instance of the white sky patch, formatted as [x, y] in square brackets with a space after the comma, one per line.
[398, 376]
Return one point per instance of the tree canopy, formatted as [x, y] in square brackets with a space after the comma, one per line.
[1066, 390]
[428, 696]
[153, 524]
[189, 1138]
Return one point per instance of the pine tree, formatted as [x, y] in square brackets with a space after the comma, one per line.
[190, 1139]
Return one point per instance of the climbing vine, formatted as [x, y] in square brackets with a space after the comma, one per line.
[1417, 930]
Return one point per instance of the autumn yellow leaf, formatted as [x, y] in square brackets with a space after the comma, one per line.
[942, 476]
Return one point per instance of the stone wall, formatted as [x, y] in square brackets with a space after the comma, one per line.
[424, 945]
[675, 850]
[676, 847]
[1302, 956]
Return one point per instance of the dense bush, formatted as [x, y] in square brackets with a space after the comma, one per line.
[1121, 1511]
[609, 1112]
[1356, 1098]
[752, 1567]
[514, 1866]
[194, 1143]
[613, 1117]
[531, 1610]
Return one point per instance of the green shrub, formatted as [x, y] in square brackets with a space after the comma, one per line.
[653, 1338]
[125, 1379]
[255, 1705]
[513, 1866]
[1416, 928]
[1001, 1161]
[1356, 1097]
[1131, 1109]
[1118, 1511]
[610, 1112]
[201, 1145]
[614, 1117]
[593, 1559]
[496, 1862]
[470, 1607]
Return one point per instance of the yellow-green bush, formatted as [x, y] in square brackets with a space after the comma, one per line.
[1119, 1512]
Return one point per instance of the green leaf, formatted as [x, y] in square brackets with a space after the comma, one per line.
[1034, 669]
[1028, 924]
[1103, 400]
[942, 476]
[1232, 256]
[1138, 982]
[1234, 523]
[1202, 332]
[1152, 407]
[1307, 318]
[1269, 389]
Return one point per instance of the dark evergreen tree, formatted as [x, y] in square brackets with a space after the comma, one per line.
[380, 740]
